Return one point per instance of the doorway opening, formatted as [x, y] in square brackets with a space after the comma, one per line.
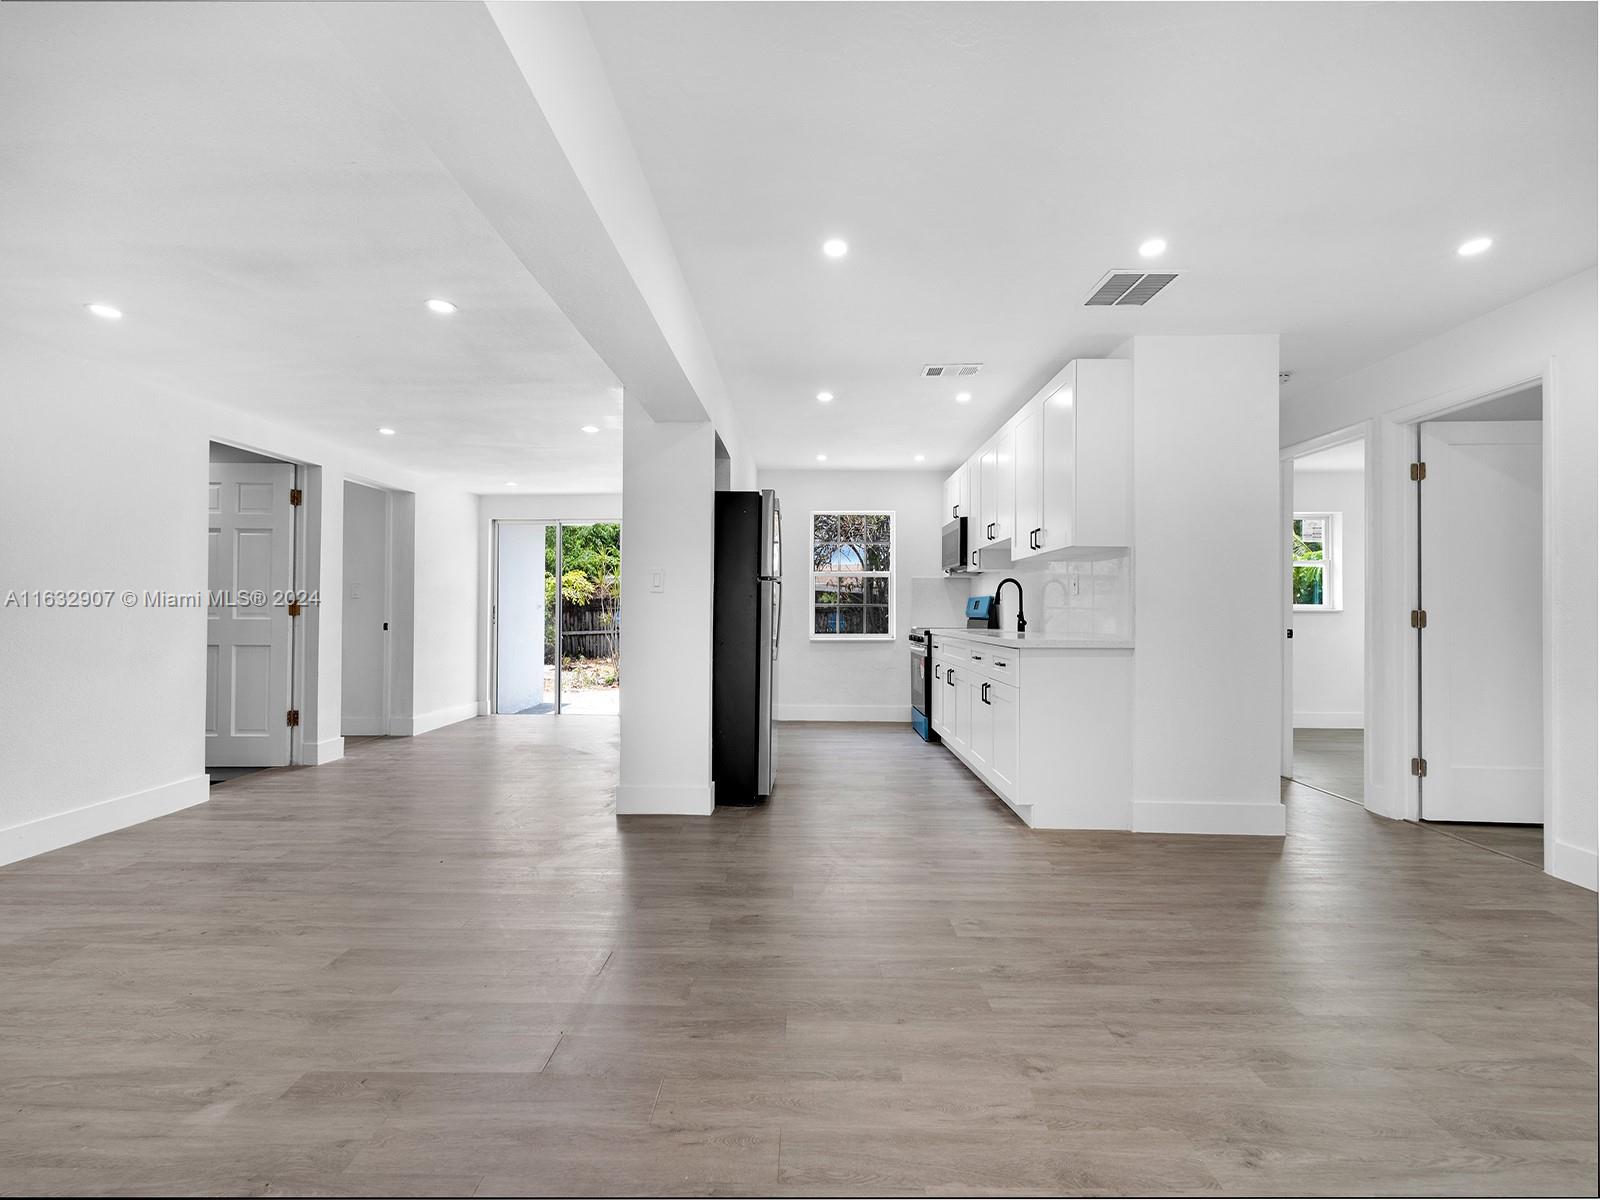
[367, 617]
[1325, 651]
[557, 617]
[251, 577]
[1479, 641]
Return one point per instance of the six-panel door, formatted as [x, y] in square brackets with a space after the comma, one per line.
[251, 565]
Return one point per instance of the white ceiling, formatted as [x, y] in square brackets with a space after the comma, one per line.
[1313, 168]
[271, 225]
[271, 229]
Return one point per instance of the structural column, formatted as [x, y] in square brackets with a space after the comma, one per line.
[668, 530]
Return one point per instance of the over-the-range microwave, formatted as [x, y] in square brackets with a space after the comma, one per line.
[953, 547]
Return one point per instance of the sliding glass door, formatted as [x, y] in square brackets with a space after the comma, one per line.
[557, 616]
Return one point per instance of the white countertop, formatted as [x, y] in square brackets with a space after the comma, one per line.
[1034, 641]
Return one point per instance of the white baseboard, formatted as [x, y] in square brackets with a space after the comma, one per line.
[650, 799]
[1575, 865]
[437, 719]
[483, 708]
[842, 712]
[326, 751]
[1208, 816]
[1329, 720]
[80, 824]
[361, 726]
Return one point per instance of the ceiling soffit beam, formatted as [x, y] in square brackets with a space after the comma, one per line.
[449, 70]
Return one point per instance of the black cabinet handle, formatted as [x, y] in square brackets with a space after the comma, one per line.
[984, 696]
[977, 658]
[955, 510]
[998, 663]
[950, 677]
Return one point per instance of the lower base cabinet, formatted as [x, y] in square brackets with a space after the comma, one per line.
[1047, 729]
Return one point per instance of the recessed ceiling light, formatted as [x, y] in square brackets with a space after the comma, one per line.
[105, 311]
[385, 430]
[443, 307]
[511, 483]
[1473, 246]
[591, 429]
[822, 458]
[963, 397]
[1154, 248]
[918, 457]
[836, 247]
[825, 397]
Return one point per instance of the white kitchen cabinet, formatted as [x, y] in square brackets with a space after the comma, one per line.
[1046, 723]
[1004, 733]
[957, 495]
[997, 488]
[1074, 461]
[937, 704]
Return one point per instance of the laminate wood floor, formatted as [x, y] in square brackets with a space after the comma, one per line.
[1331, 760]
[442, 965]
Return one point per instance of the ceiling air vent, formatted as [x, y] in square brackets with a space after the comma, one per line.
[1128, 288]
[950, 370]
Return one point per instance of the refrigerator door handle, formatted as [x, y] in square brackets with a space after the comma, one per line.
[777, 627]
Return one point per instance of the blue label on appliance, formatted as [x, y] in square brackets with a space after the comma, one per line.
[978, 607]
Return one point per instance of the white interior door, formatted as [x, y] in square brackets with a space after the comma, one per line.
[520, 615]
[1482, 588]
[251, 557]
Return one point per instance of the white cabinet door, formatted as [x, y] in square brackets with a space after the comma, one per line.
[1005, 729]
[988, 492]
[1004, 488]
[936, 702]
[1058, 464]
[980, 731]
[1027, 520]
[958, 716]
[952, 497]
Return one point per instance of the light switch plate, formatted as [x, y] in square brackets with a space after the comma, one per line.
[658, 579]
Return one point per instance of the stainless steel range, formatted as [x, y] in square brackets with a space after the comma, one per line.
[922, 683]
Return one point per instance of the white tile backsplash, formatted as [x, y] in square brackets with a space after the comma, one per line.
[1067, 598]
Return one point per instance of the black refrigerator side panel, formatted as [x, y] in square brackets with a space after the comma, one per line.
[735, 652]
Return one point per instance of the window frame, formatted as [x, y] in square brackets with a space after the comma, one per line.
[814, 573]
[1328, 564]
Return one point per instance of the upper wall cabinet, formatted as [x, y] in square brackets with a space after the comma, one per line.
[1073, 473]
[957, 496]
[995, 497]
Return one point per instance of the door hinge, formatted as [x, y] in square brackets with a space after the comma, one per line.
[295, 496]
[294, 608]
[293, 717]
[1419, 472]
[1419, 618]
[1419, 767]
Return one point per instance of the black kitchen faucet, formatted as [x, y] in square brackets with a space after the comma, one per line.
[1022, 624]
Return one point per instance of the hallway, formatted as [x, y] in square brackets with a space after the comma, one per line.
[444, 964]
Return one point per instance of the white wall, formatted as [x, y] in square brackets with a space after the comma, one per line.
[668, 524]
[103, 485]
[366, 585]
[1207, 584]
[544, 506]
[1330, 647]
[445, 673]
[1551, 331]
[851, 681]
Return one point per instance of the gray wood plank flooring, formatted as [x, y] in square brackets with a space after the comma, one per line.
[442, 966]
[1331, 761]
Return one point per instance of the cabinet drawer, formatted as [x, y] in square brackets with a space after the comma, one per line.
[1002, 665]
